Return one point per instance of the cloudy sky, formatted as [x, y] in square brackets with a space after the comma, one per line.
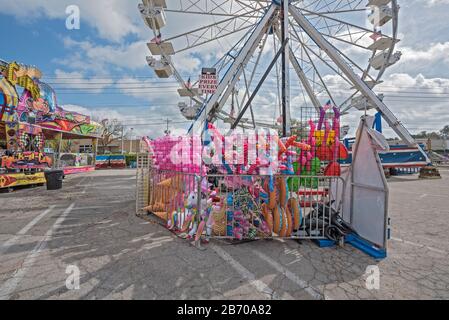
[101, 69]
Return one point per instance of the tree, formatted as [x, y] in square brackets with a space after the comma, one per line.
[427, 135]
[54, 144]
[445, 131]
[112, 131]
[421, 135]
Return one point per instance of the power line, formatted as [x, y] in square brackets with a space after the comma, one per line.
[156, 124]
[157, 80]
[148, 88]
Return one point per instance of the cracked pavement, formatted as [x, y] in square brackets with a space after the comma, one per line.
[92, 225]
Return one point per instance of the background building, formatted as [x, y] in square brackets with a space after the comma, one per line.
[85, 146]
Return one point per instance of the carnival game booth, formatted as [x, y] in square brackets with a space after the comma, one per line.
[308, 195]
[250, 187]
[29, 121]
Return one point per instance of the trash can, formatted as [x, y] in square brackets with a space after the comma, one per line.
[54, 179]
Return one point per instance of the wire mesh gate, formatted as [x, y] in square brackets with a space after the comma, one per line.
[143, 179]
[246, 207]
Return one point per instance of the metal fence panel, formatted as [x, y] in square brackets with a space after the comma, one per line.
[246, 207]
[143, 182]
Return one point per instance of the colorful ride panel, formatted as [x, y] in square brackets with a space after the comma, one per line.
[26, 122]
[21, 179]
[399, 156]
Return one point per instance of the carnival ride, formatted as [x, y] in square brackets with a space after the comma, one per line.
[28, 121]
[339, 51]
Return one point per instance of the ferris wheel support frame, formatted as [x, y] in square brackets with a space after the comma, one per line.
[259, 85]
[227, 84]
[302, 76]
[327, 47]
[286, 117]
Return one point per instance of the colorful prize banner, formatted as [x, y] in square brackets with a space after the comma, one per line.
[208, 81]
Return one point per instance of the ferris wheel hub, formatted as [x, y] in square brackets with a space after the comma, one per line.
[279, 2]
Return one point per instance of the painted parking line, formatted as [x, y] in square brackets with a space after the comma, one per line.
[87, 186]
[419, 245]
[24, 230]
[81, 182]
[8, 288]
[420, 194]
[245, 273]
[90, 208]
[313, 292]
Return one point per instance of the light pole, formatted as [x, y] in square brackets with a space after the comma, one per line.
[123, 134]
[445, 144]
[131, 142]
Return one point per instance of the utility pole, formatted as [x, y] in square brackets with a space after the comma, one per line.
[167, 131]
[123, 134]
[131, 142]
[445, 144]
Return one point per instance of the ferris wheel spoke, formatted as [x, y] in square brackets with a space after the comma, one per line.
[358, 83]
[319, 76]
[306, 72]
[211, 32]
[326, 17]
[365, 72]
[350, 61]
[245, 15]
[308, 49]
[328, 63]
[337, 11]
[251, 4]
[322, 18]
[247, 92]
[306, 82]
[214, 7]
[216, 30]
[253, 73]
[337, 5]
[217, 100]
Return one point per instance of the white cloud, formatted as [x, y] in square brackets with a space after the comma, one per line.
[100, 58]
[76, 80]
[95, 114]
[437, 52]
[113, 19]
[435, 2]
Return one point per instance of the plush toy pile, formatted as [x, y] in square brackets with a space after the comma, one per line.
[256, 198]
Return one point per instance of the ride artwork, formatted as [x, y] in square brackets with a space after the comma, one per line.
[32, 119]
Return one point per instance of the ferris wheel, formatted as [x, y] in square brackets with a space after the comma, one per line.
[273, 56]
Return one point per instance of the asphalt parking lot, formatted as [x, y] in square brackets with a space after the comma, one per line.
[46, 237]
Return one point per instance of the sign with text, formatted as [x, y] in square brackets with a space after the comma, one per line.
[208, 81]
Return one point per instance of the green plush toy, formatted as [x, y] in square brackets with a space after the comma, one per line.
[315, 167]
[294, 183]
